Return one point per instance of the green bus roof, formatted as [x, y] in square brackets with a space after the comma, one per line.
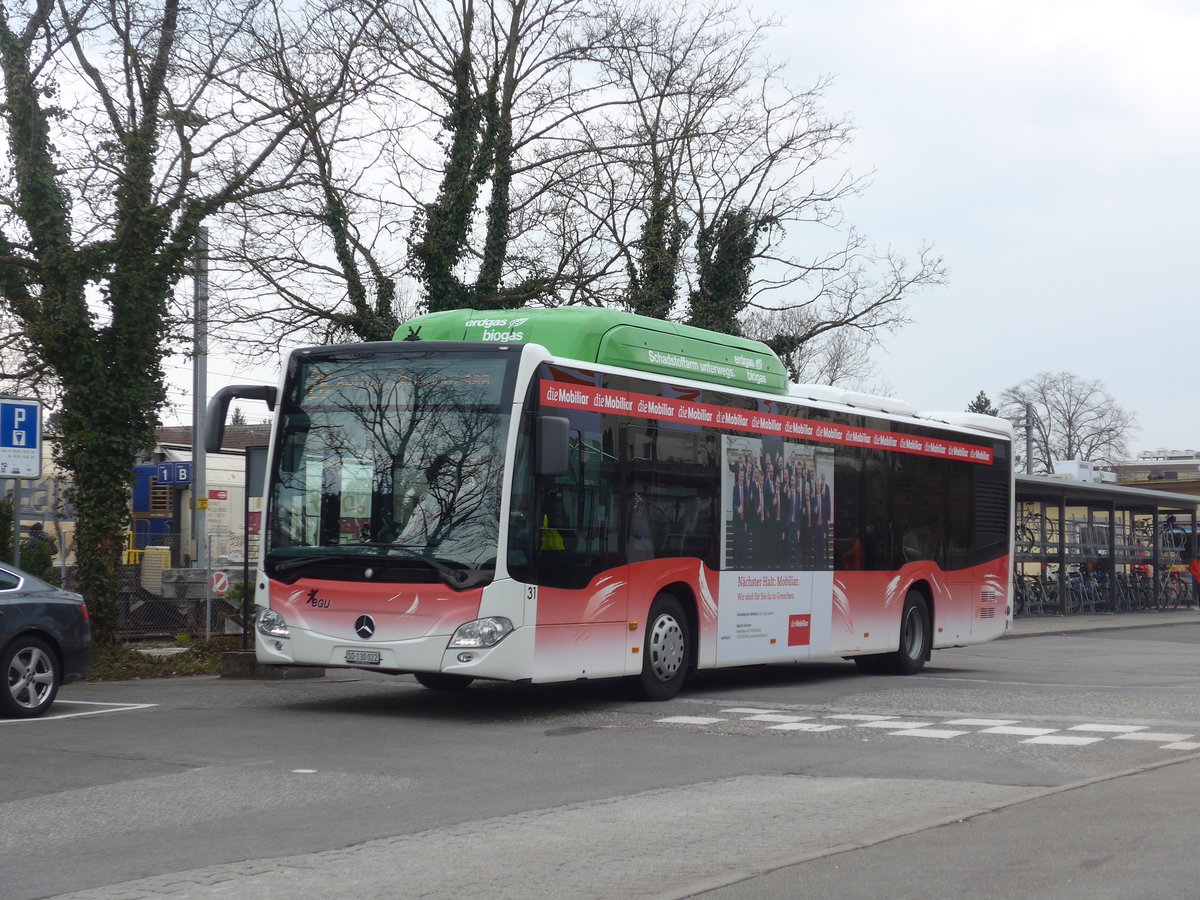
[589, 334]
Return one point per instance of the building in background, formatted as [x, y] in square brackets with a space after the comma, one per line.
[163, 495]
[1176, 471]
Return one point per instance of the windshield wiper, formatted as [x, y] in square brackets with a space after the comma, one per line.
[299, 562]
[450, 575]
[454, 575]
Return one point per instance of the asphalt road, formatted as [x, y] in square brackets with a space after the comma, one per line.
[1058, 762]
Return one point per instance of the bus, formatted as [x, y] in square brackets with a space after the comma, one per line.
[564, 494]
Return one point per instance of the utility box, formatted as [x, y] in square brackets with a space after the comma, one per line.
[1078, 469]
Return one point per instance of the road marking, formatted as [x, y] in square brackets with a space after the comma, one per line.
[1152, 736]
[850, 717]
[942, 733]
[1063, 740]
[109, 708]
[1019, 730]
[1116, 729]
[814, 722]
[805, 726]
[690, 720]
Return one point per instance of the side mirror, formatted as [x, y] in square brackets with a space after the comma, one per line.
[218, 407]
[553, 436]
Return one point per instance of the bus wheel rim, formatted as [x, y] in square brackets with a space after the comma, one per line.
[666, 648]
[914, 636]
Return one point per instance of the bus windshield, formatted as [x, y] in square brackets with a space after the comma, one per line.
[388, 465]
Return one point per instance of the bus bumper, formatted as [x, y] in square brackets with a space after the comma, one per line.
[509, 660]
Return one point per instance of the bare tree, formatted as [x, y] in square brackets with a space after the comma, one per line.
[1074, 418]
[316, 260]
[22, 373]
[570, 151]
[499, 77]
[127, 124]
[711, 173]
[455, 107]
[838, 356]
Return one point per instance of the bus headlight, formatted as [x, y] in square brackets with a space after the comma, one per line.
[482, 632]
[272, 624]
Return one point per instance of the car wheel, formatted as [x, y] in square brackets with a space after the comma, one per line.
[666, 654]
[32, 678]
[440, 681]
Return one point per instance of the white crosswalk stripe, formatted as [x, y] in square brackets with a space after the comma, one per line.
[945, 729]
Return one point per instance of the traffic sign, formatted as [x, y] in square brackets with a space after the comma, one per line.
[20, 438]
[219, 584]
[174, 473]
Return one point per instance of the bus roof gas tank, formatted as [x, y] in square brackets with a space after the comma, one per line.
[615, 338]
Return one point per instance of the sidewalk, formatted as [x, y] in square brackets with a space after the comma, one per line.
[1028, 625]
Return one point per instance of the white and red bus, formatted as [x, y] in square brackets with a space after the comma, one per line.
[577, 493]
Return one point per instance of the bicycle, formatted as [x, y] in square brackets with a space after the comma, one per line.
[1021, 602]
[1036, 533]
[1171, 590]
[1029, 596]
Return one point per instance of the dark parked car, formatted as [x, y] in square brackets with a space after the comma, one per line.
[45, 641]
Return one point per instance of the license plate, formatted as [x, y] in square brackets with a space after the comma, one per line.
[364, 657]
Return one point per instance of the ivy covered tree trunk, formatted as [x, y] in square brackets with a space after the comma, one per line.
[110, 371]
[93, 299]
[725, 259]
[652, 282]
[444, 225]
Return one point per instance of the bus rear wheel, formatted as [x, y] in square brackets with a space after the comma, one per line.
[440, 681]
[914, 641]
[666, 652]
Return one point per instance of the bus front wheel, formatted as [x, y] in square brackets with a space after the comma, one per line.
[666, 652]
[440, 681]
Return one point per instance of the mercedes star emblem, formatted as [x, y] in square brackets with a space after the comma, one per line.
[364, 627]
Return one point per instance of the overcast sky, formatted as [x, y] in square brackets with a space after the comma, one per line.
[1048, 150]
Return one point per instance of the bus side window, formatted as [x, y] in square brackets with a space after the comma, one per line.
[522, 549]
[576, 528]
[671, 496]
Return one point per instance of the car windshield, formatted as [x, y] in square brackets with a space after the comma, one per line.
[388, 465]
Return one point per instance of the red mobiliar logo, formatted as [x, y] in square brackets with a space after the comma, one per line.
[798, 627]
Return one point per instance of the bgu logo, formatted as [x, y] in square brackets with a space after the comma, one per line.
[798, 630]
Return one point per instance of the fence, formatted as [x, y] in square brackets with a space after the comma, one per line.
[160, 598]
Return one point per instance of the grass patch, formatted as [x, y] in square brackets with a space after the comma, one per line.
[122, 662]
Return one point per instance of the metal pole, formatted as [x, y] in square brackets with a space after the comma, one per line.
[1063, 581]
[16, 509]
[246, 557]
[208, 589]
[1028, 438]
[200, 397]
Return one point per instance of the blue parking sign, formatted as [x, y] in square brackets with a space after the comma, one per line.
[20, 438]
